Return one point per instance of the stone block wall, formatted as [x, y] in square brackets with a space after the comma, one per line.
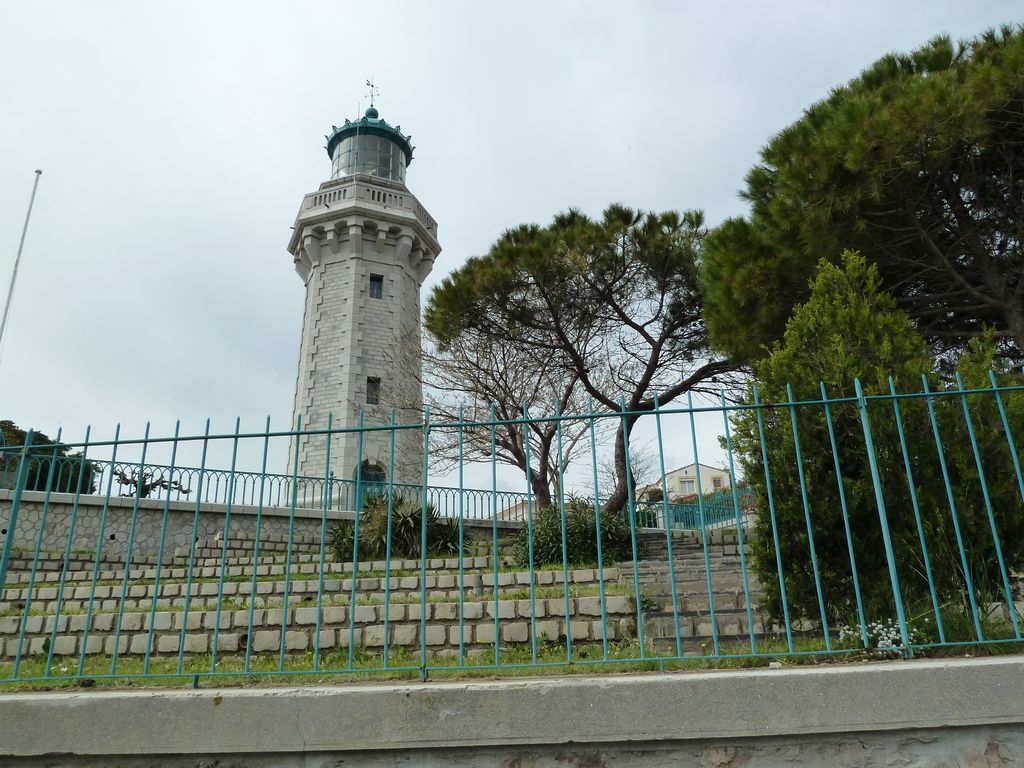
[115, 518]
[97, 634]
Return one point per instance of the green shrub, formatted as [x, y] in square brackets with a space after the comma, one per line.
[580, 536]
[340, 537]
[851, 329]
[406, 532]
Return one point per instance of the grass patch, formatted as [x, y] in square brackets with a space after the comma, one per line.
[512, 661]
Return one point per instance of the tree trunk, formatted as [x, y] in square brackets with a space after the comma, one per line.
[541, 494]
[620, 494]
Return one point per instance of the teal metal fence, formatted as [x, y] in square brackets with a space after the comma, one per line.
[882, 521]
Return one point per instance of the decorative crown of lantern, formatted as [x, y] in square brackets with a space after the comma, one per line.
[369, 145]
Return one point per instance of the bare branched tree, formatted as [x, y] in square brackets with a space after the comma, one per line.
[473, 380]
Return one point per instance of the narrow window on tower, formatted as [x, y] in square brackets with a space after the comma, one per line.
[372, 390]
[376, 286]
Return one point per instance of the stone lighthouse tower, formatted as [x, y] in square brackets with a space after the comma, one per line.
[363, 245]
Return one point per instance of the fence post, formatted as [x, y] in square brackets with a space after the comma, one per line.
[917, 512]
[423, 545]
[631, 511]
[12, 520]
[387, 540]
[703, 528]
[883, 519]
[597, 533]
[1007, 590]
[771, 514]
[740, 542]
[668, 525]
[529, 535]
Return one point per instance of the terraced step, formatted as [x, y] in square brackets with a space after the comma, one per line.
[212, 570]
[660, 628]
[208, 593]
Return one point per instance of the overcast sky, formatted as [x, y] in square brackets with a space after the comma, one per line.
[178, 139]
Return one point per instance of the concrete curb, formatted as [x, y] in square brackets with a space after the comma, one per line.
[650, 708]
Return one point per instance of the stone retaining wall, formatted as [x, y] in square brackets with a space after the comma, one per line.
[180, 523]
[97, 636]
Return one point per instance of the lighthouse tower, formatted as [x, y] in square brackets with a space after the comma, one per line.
[363, 245]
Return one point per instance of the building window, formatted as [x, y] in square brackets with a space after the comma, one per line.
[687, 487]
[716, 482]
[372, 390]
[376, 286]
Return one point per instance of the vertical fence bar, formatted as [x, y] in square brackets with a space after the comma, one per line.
[193, 538]
[462, 549]
[423, 545]
[256, 548]
[917, 513]
[1011, 444]
[529, 536]
[99, 552]
[631, 511]
[952, 508]
[158, 571]
[863, 624]
[60, 469]
[230, 491]
[771, 513]
[387, 542]
[291, 543]
[741, 543]
[494, 533]
[883, 519]
[807, 517]
[130, 551]
[1007, 590]
[35, 559]
[355, 541]
[21, 480]
[325, 505]
[703, 526]
[72, 525]
[597, 533]
[668, 528]
[565, 543]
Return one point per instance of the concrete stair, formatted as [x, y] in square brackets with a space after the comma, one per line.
[693, 602]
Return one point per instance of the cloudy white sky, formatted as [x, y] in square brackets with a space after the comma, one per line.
[177, 140]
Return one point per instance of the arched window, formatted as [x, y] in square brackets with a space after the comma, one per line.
[371, 480]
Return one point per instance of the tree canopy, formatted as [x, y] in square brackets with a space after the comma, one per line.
[46, 454]
[919, 164]
[613, 303]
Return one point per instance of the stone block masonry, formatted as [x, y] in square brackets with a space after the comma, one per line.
[181, 516]
[350, 334]
[516, 623]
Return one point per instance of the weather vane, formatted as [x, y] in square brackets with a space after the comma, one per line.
[374, 90]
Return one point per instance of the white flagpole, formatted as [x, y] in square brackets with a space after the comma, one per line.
[17, 260]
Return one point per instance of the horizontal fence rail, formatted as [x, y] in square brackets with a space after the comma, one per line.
[219, 486]
[872, 520]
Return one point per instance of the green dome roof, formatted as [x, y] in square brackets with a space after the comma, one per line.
[370, 123]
